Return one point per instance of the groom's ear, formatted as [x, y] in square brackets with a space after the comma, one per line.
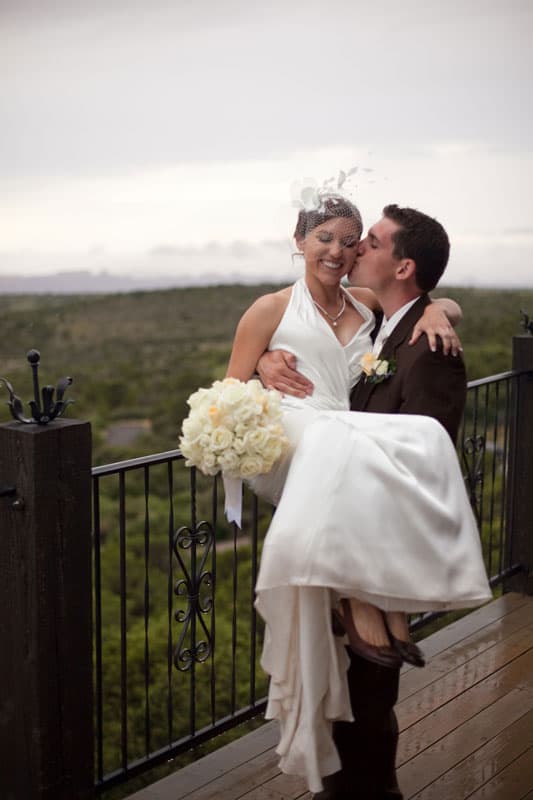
[406, 269]
[299, 241]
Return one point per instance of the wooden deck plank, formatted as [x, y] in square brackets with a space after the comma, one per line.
[480, 766]
[289, 787]
[433, 762]
[241, 779]
[433, 727]
[466, 722]
[491, 672]
[207, 770]
[476, 620]
[465, 649]
[511, 783]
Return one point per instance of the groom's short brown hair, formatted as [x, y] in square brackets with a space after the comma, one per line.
[424, 240]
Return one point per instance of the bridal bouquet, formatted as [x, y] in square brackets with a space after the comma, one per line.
[234, 428]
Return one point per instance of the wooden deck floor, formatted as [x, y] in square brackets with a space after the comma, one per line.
[466, 723]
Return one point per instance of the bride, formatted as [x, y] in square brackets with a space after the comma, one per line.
[330, 546]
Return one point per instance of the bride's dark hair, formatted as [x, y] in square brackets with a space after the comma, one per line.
[331, 207]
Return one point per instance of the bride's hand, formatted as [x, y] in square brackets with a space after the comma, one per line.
[277, 370]
[434, 323]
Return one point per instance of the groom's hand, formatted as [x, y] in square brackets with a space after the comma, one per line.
[277, 370]
[434, 323]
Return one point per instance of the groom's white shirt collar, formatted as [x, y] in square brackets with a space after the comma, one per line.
[391, 323]
[388, 325]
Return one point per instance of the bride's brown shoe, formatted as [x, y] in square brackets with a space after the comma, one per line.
[384, 655]
[409, 651]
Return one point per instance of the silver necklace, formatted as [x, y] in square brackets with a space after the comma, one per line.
[333, 320]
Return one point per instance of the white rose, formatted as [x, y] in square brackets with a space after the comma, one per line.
[194, 455]
[209, 462]
[229, 460]
[221, 438]
[186, 448]
[192, 428]
[251, 466]
[234, 393]
[238, 445]
[256, 439]
[250, 411]
[382, 368]
[240, 430]
[273, 449]
[200, 398]
[204, 441]
[277, 429]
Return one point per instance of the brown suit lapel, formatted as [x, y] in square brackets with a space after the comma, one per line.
[363, 390]
[404, 328]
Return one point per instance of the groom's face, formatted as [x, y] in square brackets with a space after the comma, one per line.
[375, 266]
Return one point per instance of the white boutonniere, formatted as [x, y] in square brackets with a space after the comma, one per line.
[377, 369]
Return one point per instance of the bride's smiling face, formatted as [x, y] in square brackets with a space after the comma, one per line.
[330, 249]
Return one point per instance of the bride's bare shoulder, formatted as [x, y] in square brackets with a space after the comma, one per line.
[269, 308]
[274, 302]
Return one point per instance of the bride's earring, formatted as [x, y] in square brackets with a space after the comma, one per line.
[296, 253]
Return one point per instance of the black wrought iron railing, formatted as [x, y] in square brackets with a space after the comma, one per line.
[484, 448]
[161, 545]
[177, 640]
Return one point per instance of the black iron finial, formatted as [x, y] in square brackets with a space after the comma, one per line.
[526, 322]
[50, 409]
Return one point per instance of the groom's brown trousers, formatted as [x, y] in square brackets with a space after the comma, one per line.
[367, 746]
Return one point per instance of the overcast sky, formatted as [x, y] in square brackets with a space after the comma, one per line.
[163, 137]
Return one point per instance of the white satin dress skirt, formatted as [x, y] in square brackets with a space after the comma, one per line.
[374, 507]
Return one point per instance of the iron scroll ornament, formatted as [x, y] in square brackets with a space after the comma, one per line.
[50, 409]
[473, 453]
[197, 589]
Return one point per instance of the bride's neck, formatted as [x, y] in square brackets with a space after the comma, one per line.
[326, 295]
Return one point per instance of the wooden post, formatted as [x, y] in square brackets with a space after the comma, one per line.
[46, 713]
[520, 479]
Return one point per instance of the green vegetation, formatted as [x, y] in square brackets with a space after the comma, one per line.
[139, 356]
[132, 356]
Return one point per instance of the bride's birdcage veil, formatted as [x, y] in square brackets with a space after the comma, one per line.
[317, 204]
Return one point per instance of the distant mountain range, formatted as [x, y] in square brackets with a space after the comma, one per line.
[85, 282]
[104, 282]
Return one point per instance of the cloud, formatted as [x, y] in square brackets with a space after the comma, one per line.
[525, 231]
[93, 87]
[153, 128]
[164, 250]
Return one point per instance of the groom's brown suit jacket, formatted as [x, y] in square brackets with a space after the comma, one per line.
[424, 382]
[433, 385]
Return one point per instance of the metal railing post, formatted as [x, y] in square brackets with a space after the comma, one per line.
[520, 487]
[46, 724]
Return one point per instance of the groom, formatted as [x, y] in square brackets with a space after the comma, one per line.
[401, 259]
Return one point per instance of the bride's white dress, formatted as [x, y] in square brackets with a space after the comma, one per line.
[374, 507]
